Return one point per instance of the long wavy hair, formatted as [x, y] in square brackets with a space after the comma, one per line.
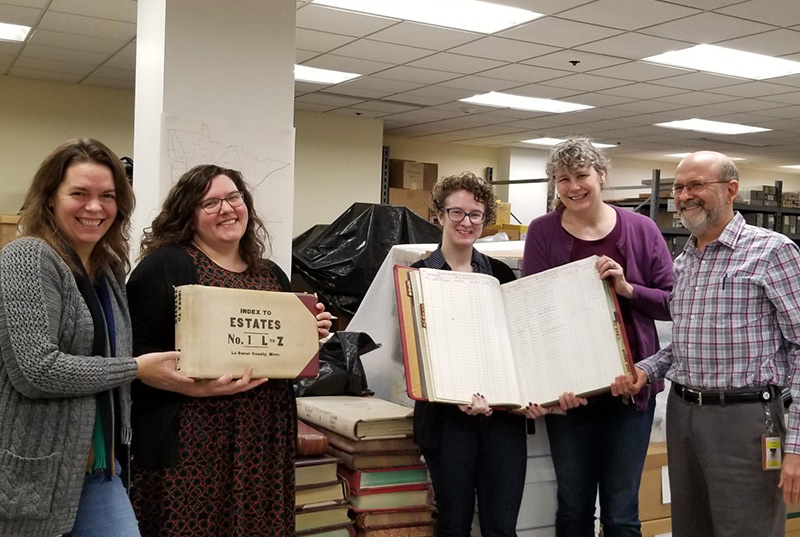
[174, 225]
[39, 221]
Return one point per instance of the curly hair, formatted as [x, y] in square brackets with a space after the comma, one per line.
[477, 186]
[38, 219]
[174, 225]
[573, 154]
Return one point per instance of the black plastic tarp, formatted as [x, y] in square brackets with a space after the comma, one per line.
[340, 261]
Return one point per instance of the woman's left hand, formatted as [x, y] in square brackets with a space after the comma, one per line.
[608, 268]
[324, 322]
[479, 406]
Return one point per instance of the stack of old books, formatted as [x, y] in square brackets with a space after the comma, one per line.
[321, 495]
[390, 492]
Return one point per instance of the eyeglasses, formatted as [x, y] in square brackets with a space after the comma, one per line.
[214, 205]
[694, 186]
[457, 215]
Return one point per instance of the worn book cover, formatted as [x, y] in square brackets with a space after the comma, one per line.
[393, 518]
[360, 461]
[373, 478]
[315, 470]
[528, 340]
[309, 440]
[391, 498]
[321, 516]
[356, 417]
[221, 331]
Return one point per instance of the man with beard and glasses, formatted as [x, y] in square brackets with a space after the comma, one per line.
[735, 307]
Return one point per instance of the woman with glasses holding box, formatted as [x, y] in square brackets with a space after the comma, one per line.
[216, 459]
[470, 449]
[602, 441]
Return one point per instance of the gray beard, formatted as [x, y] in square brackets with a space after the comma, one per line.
[704, 224]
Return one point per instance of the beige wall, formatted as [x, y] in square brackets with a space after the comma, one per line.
[36, 116]
[337, 163]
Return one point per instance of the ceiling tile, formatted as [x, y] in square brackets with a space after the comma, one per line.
[559, 32]
[9, 48]
[638, 71]
[699, 81]
[28, 3]
[320, 41]
[480, 84]
[643, 91]
[425, 36]
[754, 89]
[44, 75]
[634, 46]
[415, 74]
[308, 87]
[5, 62]
[784, 98]
[546, 92]
[76, 42]
[457, 63]
[523, 73]
[381, 85]
[348, 65]
[432, 95]
[64, 54]
[26, 16]
[301, 56]
[586, 61]
[696, 98]
[600, 99]
[707, 28]
[379, 51]
[56, 66]
[81, 25]
[498, 48]
[118, 10]
[775, 43]
[384, 107]
[108, 71]
[356, 113]
[311, 107]
[583, 82]
[316, 17]
[334, 101]
[777, 12]
[627, 14]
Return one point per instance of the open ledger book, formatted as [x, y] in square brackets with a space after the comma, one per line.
[529, 340]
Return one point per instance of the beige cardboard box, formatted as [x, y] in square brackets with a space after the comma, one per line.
[430, 175]
[416, 200]
[503, 213]
[651, 504]
[658, 526]
[222, 331]
[406, 174]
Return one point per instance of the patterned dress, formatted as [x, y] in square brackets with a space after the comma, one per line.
[234, 475]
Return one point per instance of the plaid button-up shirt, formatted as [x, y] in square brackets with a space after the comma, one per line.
[736, 316]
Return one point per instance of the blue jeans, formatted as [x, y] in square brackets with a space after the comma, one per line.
[602, 444]
[104, 509]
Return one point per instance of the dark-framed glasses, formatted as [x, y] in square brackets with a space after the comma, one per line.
[457, 215]
[214, 205]
[694, 186]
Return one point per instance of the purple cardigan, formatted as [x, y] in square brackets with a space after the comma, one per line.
[649, 271]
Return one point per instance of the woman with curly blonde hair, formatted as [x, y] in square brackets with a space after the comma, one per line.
[470, 449]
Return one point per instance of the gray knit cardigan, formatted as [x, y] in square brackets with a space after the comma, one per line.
[48, 384]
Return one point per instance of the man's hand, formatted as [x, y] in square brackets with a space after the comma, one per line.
[623, 385]
[790, 478]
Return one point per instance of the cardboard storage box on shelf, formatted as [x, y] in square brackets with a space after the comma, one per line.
[651, 499]
[412, 175]
[503, 212]
[752, 197]
[515, 232]
[417, 201]
[8, 228]
[790, 199]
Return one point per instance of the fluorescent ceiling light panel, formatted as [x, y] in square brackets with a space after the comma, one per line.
[684, 155]
[554, 141]
[470, 15]
[716, 127]
[305, 73]
[727, 61]
[794, 167]
[518, 102]
[13, 32]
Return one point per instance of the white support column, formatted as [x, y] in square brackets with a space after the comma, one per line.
[215, 84]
